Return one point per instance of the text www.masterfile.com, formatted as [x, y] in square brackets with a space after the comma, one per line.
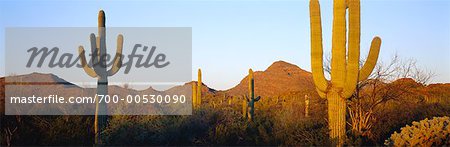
[137, 99]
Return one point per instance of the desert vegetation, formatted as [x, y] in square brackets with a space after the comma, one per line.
[424, 133]
[279, 119]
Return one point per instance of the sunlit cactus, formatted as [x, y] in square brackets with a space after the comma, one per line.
[98, 70]
[194, 95]
[197, 91]
[249, 110]
[245, 107]
[427, 132]
[306, 106]
[345, 70]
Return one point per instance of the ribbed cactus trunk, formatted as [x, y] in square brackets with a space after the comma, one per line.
[194, 95]
[102, 83]
[199, 89]
[101, 109]
[251, 96]
[345, 70]
[337, 109]
[99, 70]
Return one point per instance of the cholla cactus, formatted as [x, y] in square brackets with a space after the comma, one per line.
[99, 71]
[345, 71]
[434, 132]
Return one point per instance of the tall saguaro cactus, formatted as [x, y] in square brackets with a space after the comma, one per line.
[251, 99]
[197, 91]
[98, 70]
[199, 88]
[345, 70]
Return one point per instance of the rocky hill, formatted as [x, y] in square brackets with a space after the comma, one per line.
[278, 79]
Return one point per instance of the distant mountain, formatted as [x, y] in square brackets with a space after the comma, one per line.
[278, 79]
[187, 88]
[49, 84]
[37, 78]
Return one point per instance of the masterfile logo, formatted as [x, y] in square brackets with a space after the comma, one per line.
[147, 57]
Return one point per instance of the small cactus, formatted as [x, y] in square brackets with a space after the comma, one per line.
[306, 106]
[245, 107]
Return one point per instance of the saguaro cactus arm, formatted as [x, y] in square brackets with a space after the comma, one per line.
[371, 60]
[95, 51]
[339, 39]
[316, 48]
[321, 93]
[257, 98]
[352, 67]
[86, 67]
[118, 58]
[367, 68]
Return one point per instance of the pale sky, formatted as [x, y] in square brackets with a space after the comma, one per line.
[228, 37]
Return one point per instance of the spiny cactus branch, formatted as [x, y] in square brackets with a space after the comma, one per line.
[117, 63]
[371, 60]
[316, 47]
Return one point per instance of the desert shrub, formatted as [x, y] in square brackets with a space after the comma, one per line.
[63, 130]
[228, 129]
[292, 128]
[305, 133]
[424, 133]
[160, 130]
[48, 130]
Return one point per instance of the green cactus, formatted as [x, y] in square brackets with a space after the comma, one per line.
[345, 71]
[249, 110]
[99, 71]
